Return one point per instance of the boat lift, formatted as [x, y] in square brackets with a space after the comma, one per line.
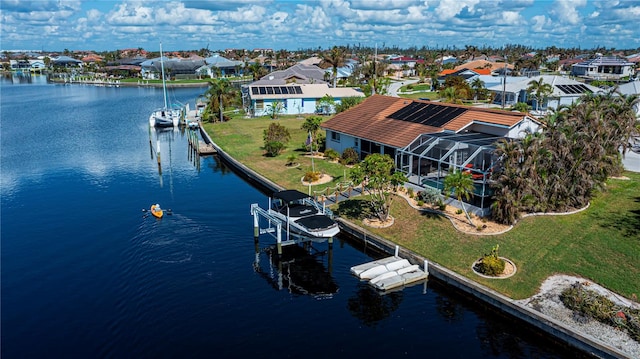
[277, 228]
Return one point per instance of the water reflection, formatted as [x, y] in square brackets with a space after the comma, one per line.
[370, 307]
[300, 270]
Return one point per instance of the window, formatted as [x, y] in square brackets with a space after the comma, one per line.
[259, 104]
[335, 136]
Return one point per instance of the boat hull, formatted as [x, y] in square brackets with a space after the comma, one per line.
[158, 213]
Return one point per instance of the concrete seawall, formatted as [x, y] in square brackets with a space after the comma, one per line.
[484, 294]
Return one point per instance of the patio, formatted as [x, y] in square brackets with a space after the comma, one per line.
[430, 158]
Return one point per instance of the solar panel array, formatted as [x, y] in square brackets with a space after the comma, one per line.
[573, 89]
[427, 114]
[276, 90]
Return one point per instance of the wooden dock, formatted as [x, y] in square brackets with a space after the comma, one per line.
[389, 273]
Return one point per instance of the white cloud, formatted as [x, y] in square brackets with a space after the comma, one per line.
[566, 11]
[448, 9]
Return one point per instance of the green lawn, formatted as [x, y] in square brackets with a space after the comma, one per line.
[601, 243]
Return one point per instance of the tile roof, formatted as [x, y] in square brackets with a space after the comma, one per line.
[370, 120]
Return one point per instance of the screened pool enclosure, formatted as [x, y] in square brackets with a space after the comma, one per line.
[430, 157]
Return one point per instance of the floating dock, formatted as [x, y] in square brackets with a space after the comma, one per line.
[389, 273]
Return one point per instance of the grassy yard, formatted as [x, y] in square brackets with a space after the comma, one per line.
[242, 138]
[601, 243]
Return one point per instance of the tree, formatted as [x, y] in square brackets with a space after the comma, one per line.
[257, 70]
[478, 89]
[220, 94]
[460, 184]
[275, 108]
[276, 137]
[334, 59]
[375, 173]
[312, 125]
[539, 90]
[326, 105]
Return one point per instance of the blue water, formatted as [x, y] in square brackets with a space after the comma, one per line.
[87, 273]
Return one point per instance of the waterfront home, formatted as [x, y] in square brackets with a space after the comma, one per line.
[66, 61]
[262, 98]
[428, 139]
[604, 68]
[217, 65]
[565, 92]
[152, 68]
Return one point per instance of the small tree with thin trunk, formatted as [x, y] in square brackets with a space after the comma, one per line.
[460, 184]
[375, 175]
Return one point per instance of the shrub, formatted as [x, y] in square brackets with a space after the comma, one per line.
[273, 148]
[458, 211]
[311, 176]
[410, 192]
[441, 205]
[349, 156]
[420, 203]
[291, 159]
[331, 154]
[490, 264]
[591, 304]
[275, 138]
[429, 195]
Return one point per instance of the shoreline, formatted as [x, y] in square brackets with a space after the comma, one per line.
[590, 342]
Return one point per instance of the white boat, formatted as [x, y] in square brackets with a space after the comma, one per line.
[166, 116]
[302, 214]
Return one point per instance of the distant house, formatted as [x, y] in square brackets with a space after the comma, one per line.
[565, 91]
[152, 68]
[630, 89]
[218, 64]
[427, 139]
[298, 73]
[295, 98]
[66, 61]
[467, 74]
[603, 68]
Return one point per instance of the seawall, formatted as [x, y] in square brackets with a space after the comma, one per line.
[463, 284]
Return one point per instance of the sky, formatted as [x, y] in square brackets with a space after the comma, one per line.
[108, 25]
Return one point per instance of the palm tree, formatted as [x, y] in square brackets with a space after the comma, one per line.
[219, 94]
[334, 59]
[460, 184]
[256, 69]
[477, 86]
[539, 90]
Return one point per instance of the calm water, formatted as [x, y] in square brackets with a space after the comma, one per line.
[87, 274]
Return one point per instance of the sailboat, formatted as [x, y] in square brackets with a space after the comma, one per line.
[166, 116]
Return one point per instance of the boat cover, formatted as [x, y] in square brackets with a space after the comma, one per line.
[317, 222]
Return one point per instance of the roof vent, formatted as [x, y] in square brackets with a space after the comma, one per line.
[271, 77]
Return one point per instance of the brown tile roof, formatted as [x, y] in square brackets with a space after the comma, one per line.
[369, 120]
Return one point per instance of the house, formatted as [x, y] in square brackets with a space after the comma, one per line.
[403, 66]
[467, 74]
[66, 61]
[565, 91]
[261, 98]
[428, 139]
[604, 68]
[298, 73]
[152, 68]
[218, 64]
[630, 89]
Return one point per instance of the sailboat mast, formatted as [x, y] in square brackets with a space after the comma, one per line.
[164, 85]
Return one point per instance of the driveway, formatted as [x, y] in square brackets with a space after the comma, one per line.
[631, 161]
[395, 86]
